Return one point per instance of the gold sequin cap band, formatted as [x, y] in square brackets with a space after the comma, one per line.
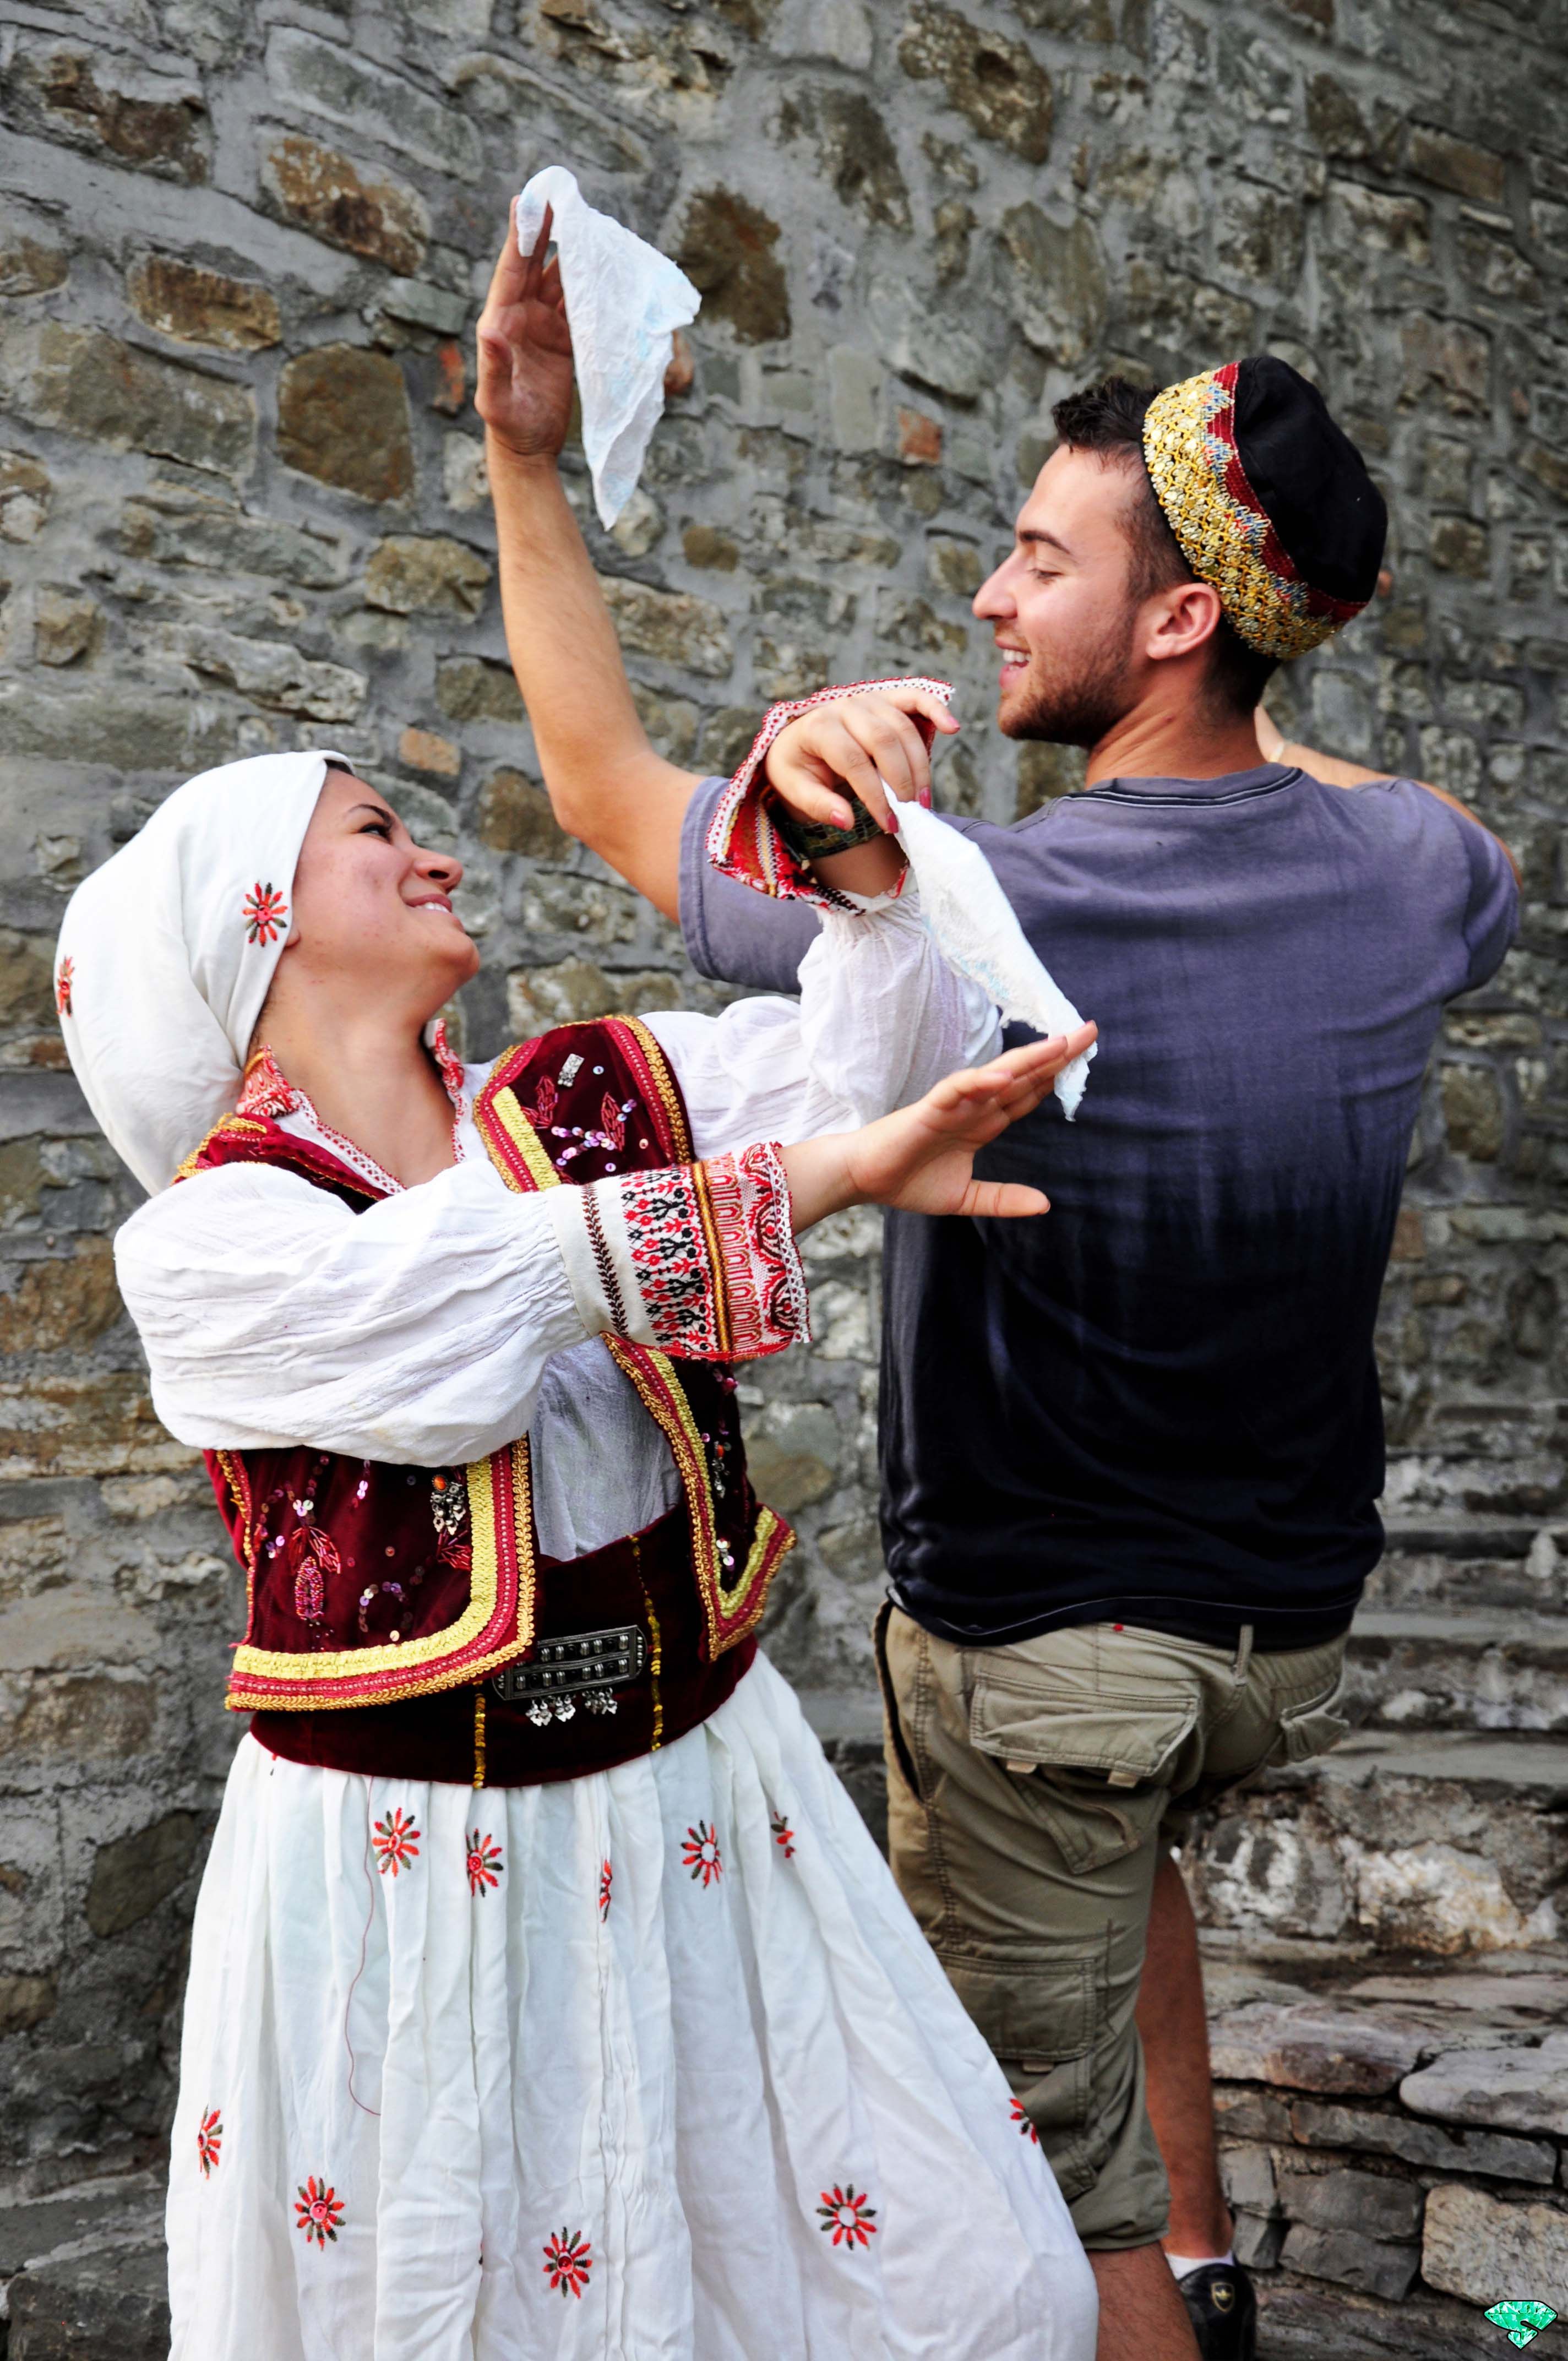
[1224, 532]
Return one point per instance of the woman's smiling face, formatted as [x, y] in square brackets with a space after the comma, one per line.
[372, 910]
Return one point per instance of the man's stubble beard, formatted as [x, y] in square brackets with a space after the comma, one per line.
[1081, 709]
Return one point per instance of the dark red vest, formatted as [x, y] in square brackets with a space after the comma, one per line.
[385, 1601]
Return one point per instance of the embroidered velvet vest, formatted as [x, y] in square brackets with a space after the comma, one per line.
[370, 1583]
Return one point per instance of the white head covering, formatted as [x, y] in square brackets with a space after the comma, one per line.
[168, 951]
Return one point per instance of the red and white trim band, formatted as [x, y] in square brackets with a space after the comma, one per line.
[696, 1260]
[743, 840]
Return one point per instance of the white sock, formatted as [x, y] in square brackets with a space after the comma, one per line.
[1182, 2264]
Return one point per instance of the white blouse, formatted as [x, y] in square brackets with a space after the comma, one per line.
[449, 1318]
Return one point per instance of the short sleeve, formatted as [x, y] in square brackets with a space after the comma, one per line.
[1492, 911]
[733, 935]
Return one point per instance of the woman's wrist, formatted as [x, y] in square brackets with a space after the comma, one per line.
[819, 1174]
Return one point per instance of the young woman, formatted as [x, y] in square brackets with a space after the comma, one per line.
[547, 1996]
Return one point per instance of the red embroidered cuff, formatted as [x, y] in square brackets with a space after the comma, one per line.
[698, 1260]
[743, 840]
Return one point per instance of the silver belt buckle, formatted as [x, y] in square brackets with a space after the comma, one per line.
[583, 1667]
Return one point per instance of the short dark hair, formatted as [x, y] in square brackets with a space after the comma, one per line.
[1109, 418]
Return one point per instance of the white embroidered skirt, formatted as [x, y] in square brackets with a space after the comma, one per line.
[652, 2065]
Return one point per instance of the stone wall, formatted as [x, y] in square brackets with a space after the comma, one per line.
[242, 506]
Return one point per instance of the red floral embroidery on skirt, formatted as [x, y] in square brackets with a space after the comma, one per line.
[318, 2209]
[607, 1876]
[701, 1855]
[784, 1835]
[1023, 2124]
[485, 1862]
[62, 983]
[394, 1842]
[209, 2140]
[568, 2259]
[846, 2215]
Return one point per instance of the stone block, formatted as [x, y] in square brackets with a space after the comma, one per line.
[1472, 1112]
[996, 84]
[30, 264]
[1447, 356]
[1423, 2144]
[727, 250]
[465, 481]
[128, 726]
[1352, 2261]
[919, 439]
[1247, 2177]
[109, 106]
[1057, 286]
[67, 625]
[112, 2299]
[272, 672]
[343, 417]
[422, 750]
[472, 688]
[674, 626]
[26, 492]
[64, 1298]
[202, 307]
[794, 1451]
[75, 1624]
[514, 816]
[88, 383]
[177, 524]
[1448, 163]
[24, 2001]
[573, 989]
[857, 156]
[1482, 2247]
[1316, 2046]
[1375, 2205]
[377, 105]
[671, 722]
[135, 1872]
[854, 398]
[1369, 221]
[417, 574]
[1458, 545]
[327, 195]
[955, 566]
[703, 545]
[422, 305]
[1514, 2090]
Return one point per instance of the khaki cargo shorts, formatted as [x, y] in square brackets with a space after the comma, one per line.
[1030, 1788]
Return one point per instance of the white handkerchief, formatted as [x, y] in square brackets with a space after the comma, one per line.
[977, 932]
[624, 299]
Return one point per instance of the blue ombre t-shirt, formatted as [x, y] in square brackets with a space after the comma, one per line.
[1159, 1402]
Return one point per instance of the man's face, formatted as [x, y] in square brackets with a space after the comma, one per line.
[1061, 604]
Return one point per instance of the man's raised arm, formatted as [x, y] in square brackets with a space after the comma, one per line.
[605, 782]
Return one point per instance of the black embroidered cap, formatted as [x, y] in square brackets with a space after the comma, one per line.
[1270, 499]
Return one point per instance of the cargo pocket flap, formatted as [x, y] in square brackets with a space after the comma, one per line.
[1129, 1744]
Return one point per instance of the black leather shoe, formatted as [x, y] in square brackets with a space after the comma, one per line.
[1223, 2308]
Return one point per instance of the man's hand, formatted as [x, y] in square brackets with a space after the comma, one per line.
[922, 1159]
[857, 741]
[524, 392]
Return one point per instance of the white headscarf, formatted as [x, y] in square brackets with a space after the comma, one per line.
[168, 951]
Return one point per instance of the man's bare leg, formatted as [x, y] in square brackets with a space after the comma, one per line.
[1174, 2029]
[1141, 2310]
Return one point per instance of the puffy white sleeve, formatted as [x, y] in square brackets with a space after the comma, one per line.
[881, 1017]
[418, 1331]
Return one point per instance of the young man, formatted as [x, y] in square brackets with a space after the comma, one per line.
[1128, 1510]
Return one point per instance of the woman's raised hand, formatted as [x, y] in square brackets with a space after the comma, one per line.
[524, 393]
[922, 1159]
[862, 741]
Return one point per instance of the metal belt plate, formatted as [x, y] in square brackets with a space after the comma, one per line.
[582, 1660]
